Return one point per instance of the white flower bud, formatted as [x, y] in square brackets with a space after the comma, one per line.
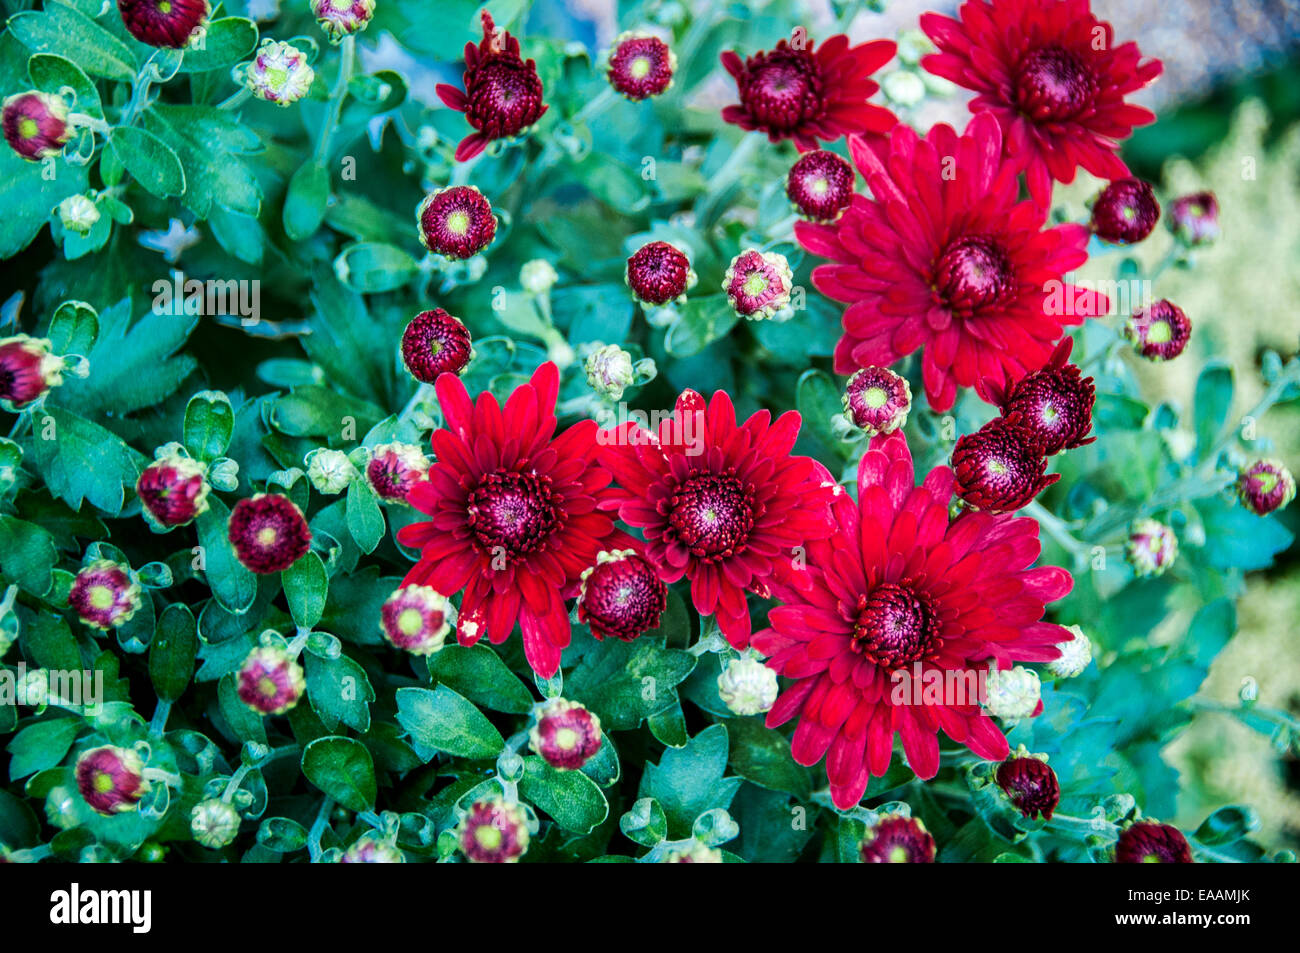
[747, 686]
[1075, 655]
[537, 276]
[330, 471]
[214, 823]
[609, 371]
[78, 213]
[1013, 693]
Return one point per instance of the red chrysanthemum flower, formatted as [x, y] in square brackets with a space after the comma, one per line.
[174, 490]
[565, 734]
[897, 840]
[640, 65]
[28, 370]
[269, 532]
[901, 588]
[394, 468]
[456, 222]
[493, 832]
[622, 596]
[436, 343]
[270, 681]
[1030, 784]
[946, 258]
[877, 400]
[111, 779]
[1194, 219]
[35, 124]
[514, 520]
[502, 95]
[658, 272]
[1265, 486]
[1001, 467]
[1054, 403]
[1148, 842]
[164, 23]
[1160, 332]
[725, 505]
[104, 595]
[820, 184]
[1125, 211]
[805, 94]
[1058, 93]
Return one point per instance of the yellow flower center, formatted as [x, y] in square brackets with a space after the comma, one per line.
[488, 837]
[566, 739]
[101, 597]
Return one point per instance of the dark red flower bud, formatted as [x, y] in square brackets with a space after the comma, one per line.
[1054, 403]
[493, 832]
[658, 273]
[457, 222]
[111, 779]
[622, 596]
[1030, 784]
[640, 65]
[898, 840]
[1001, 467]
[270, 681]
[1194, 219]
[269, 532]
[173, 490]
[877, 400]
[1125, 211]
[394, 468]
[820, 185]
[27, 370]
[104, 595]
[1160, 332]
[166, 23]
[565, 734]
[1147, 842]
[1265, 486]
[435, 343]
[36, 124]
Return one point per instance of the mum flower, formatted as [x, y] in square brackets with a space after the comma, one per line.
[1051, 74]
[1054, 403]
[111, 779]
[946, 259]
[622, 596]
[640, 65]
[899, 596]
[820, 185]
[725, 505]
[514, 518]
[104, 595]
[502, 95]
[565, 734]
[173, 490]
[436, 343]
[1149, 842]
[897, 840]
[170, 24]
[799, 92]
[1030, 784]
[35, 124]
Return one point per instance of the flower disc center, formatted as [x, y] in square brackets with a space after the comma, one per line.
[973, 272]
[512, 514]
[712, 515]
[1052, 83]
[896, 626]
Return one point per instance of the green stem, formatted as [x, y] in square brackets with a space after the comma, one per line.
[1056, 528]
[236, 99]
[347, 60]
[318, 829]
[159, 722]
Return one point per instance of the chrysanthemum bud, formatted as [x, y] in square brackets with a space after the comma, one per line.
[696, 852]
[330, 471]
[104, 595]
[416, 619]
[820, 184]
[279, 73]
[896, 839]
[537, 276]
[1148, 842]
[747, 686]
[214, 823]
[78, 214]
[1160, 332]
[1030, 784]
[28, 370]
[1265, 486]
[1194, 219]
[1151, 548]
[758, 284]
[394, 468]
[36, 124]
[340, 18]
[565, 734]
[877, 400]
[493, 832]
[435, 343]
[1001, 467]
[609, 371]
[269, 532]
[1054, 403]
[658, 273]
[170, 24]
[370, 849]
[111, 779]
[1125, 211]
[456, 222]
[173, 490]
[903, 88]
[270, 681]
[1012, 693]
[640, 65]
[622, 596]
[1075, 655]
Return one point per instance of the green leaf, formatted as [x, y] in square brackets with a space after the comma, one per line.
[372, 267]
[1227, 825]
[669, 726]
[282, 835]
[306, 587]
[442, 720]
[762, 756]
[209, 424]
[51, 73]
[152, 162]
[27, 555]
[244, 723]
[208, 143]
[702, 321]
[689, 781]
[478, 673]
[173, 651]
[73, 328]
[81, 460]
[41, 745]
[817, 399]
[66, 32]
[29, 192]
[227, 40]
[343, 769]
[339, 692]
[1236, 538]
[232, 585]
[570, 797]
[626, 682]
[305, 202]
[365, 519]
[645, 823]
[1214, 390]
[51, 643]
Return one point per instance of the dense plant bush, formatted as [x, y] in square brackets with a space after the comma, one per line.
[453, 441]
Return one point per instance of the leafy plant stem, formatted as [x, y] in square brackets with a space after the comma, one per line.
[347, 60]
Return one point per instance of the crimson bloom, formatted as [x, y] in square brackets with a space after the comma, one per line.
[1050, 73]
[805, 94]
[502, 95]
[901, 588]
[947, 259]
[724, 504]
[514, 518]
